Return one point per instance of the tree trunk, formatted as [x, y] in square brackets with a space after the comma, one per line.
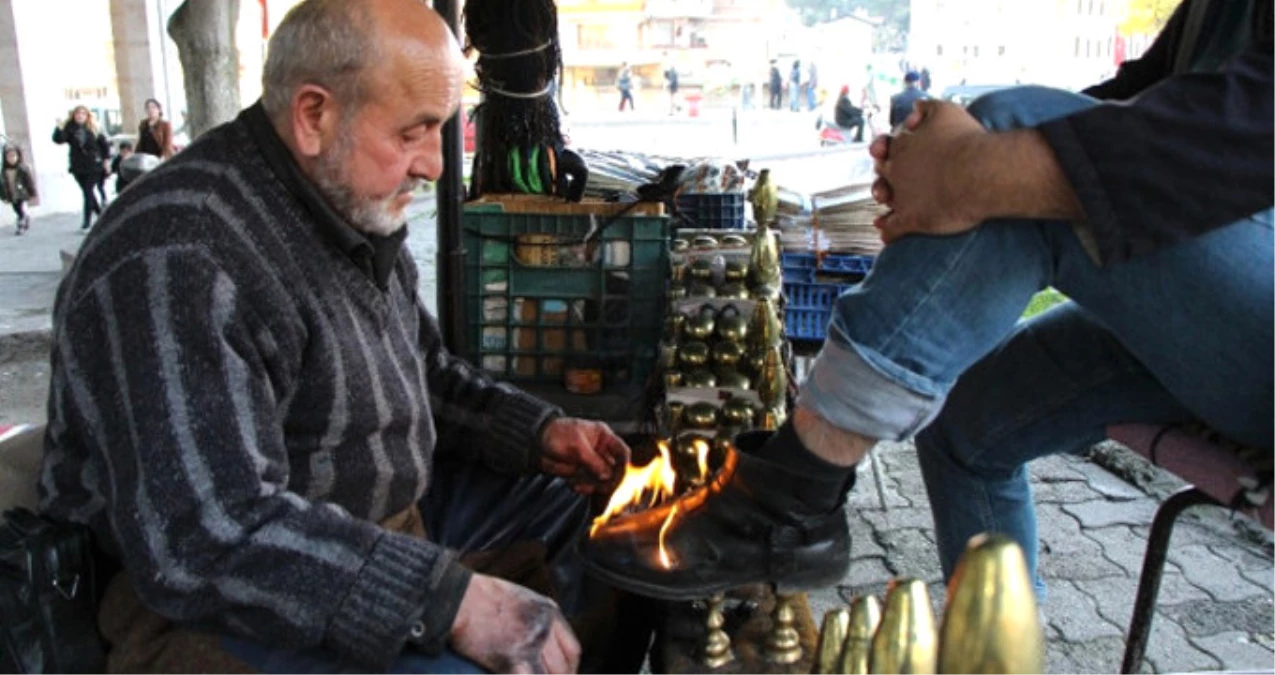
[204, 31]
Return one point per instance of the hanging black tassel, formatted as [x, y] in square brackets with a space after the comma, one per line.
[517, 123]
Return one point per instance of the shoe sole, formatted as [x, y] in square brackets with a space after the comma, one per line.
[699, 592]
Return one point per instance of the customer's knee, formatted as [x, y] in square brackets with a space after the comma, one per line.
[1025, 106]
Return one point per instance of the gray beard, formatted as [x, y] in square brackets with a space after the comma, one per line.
[371, 216]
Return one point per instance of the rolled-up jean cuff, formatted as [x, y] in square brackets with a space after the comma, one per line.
[850, 394]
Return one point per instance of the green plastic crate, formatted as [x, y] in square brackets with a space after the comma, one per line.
[600, 304]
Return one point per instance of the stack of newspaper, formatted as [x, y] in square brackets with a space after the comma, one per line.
[839, 221]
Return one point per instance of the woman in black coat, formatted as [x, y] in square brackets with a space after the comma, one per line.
[88, 152]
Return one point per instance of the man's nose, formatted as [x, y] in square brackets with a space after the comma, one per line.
[428, 165]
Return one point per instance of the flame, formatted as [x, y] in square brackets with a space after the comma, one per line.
[648, 486]
[668, 524]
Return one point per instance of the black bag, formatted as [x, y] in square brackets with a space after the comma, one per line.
[48, 597]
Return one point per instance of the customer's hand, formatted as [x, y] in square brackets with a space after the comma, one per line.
[928, 172]
[509, 629]
[584, 451]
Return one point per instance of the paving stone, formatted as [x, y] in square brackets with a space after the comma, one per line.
[1236, 651]
[1075, 614]
[1065, 550]
[911, 487]
[1115, 595]
[1108, 484]
[1191, 528]
[1122, 546]
[1256, 568]
[1065, 492]
[1267, 640]
[864, 496]
[901, 518]
[1201, 618]
[1054, 469]
[1103, 513]
[867, 571]
[1169, 651]
[912, 554]
[1101, 655]
[1215, 574]
[863, 538]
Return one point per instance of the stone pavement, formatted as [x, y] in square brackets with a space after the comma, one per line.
[1215, 604]
[1215, 610]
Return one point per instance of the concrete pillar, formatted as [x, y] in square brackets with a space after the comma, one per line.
[138, 31]
[32, 100]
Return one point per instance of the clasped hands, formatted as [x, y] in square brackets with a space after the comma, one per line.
[927, 172]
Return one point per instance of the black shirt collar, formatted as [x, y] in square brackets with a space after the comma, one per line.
[373, 254]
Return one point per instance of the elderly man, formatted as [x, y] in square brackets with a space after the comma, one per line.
[1153, 213]
[249, 400]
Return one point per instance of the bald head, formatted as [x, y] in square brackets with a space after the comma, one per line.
[343, 45]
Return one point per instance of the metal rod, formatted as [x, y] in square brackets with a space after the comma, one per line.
[1153, 569]
[451, 197]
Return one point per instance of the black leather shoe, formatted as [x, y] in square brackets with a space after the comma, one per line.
[750, 525]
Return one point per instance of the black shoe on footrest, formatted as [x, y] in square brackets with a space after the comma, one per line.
[749, 525]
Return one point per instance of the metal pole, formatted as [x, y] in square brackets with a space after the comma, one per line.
[451, 197]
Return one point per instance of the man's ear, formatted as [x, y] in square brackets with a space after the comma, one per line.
[314, 119]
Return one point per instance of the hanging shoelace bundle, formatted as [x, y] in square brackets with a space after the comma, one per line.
[520, 147]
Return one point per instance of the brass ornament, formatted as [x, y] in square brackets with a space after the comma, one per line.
[865, 616]
[704, 241]
[693, 354]
[727, 354]
[906, 641]
[700, 378]
[733, 379]
[701, 289]
[701, 415]
[772, 383]
[717, 651]
[733, 290]
[832, 635]
[736, 270]
[783, 645]
[991, 623]
[738, 411]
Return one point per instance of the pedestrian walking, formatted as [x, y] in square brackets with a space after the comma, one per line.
[794, 86]
[155, 134]
[624, 82]
[776, 86]
[670, 80]
[88, 154]
[17, 188]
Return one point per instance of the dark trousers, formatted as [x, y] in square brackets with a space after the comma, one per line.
[471, 509]
[627, 96]
[776, 98]
[19, 208]
[88, 185]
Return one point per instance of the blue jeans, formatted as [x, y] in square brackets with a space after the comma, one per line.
[1182, 333]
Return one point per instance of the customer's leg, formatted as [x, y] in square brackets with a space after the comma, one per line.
[1051, 387]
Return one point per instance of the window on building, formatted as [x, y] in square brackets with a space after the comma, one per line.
[595, 36]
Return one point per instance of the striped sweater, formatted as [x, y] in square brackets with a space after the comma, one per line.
[235, 403]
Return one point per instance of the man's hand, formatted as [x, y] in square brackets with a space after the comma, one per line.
[586, 452]
[509, 629]
[925, 172]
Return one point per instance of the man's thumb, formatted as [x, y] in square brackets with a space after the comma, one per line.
[921, 110]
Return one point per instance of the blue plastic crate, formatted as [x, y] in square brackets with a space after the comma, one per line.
[807, 324]
[809, 308]
[804, 266]
[710, 211]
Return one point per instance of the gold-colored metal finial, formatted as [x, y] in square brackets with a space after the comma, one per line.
[865, 616]
[832, 635]
[991, 624]
[906, 642]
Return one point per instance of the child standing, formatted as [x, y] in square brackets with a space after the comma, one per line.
[16, 186]
[126, 151]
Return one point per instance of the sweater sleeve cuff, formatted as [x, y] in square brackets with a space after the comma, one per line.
[407, 587]
[516, 427]
[1101, 225]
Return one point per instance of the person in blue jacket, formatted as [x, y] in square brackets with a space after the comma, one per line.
[1147, 200]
